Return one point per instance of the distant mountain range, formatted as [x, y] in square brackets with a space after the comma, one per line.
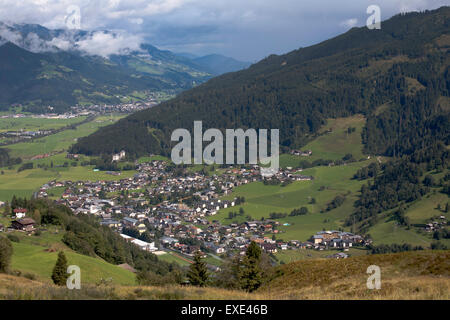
[398, 77]
[40, 67]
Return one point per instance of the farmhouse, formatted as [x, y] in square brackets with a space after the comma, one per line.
[269, 247]
[339, 255]
[130, 222]
[26, 224]
[20, 213]
[111, 223]
[118, 156]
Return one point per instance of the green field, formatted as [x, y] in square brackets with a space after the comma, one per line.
[334, 145]
[287, 256]
[36, 260]
[60, 141]
[152, 158]
[426, 208]
[170, 257]
[26, 182]
[386, 231]
[261, 200]
[37, 255]
[34, 124]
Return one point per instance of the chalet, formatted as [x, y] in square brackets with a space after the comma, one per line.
[20, 213]
[118, 156]
[269, 247]
[25, 224]
[130, 222]
[339, 255]
[215, 248]
[306, 245]
[192, 250]
[133, 223]
[73, 156]
[111, 223]
[317, 239]
[169, 240]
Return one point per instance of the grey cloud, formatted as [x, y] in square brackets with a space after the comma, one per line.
[245, 29]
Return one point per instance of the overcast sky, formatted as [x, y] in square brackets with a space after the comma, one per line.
[244, 29]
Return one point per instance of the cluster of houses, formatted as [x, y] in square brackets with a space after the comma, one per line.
[178, 220]
[436, 224]
[114, 108]
[336, 239]
[306, 153]
[21, 222]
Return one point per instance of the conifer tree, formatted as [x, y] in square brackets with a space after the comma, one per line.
[251, 273]
[198, 273]
[59, 274]
[6, 251]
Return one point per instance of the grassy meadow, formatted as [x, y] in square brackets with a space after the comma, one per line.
[26, 182]
[332, 145]
[34, 124]
[261, 200]
[60, 141]
[37, 255]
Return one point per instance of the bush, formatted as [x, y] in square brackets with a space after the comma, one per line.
[6, 251]
[25, 166]
[13, 238]
[30, 276]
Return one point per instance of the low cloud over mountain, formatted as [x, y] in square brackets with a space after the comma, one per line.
[39, 39]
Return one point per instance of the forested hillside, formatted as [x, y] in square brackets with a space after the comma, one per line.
[60, 80]
[37, 74]
[398, 77]
[84, 235]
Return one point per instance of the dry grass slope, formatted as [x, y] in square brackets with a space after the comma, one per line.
[410, 275]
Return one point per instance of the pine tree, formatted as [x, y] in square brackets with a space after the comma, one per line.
[14, 203]
[251, 274]
[6, 251]
[198, 273]
[59, 274]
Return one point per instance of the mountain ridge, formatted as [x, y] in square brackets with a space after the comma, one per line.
[298, 91]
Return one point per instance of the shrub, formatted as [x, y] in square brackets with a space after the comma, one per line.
[6, 251]
[30, 276]
[13, 238]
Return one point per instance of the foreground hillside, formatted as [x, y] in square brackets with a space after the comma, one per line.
[412, 275]
[407, 275]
